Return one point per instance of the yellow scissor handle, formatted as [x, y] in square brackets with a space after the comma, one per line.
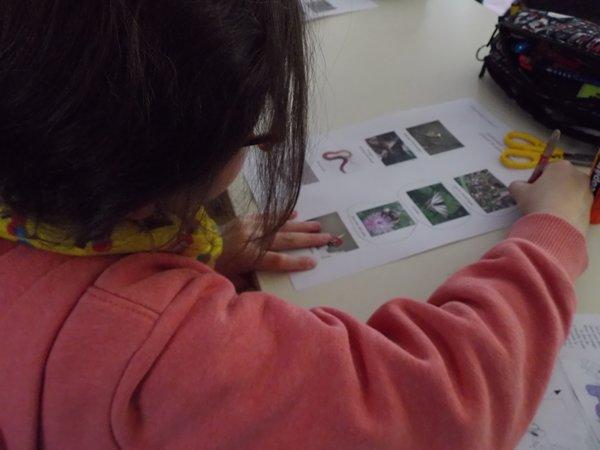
[523, 141]
[523, 151]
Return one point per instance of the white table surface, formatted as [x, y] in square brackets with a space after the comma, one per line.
[405, 54]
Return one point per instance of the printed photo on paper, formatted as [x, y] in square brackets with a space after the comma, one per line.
[390, 148]
[487, 190]
[437, 204]
[434, 137]
[343, 240]
[385, 219]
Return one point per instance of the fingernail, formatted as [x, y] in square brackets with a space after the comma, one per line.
[309, 263]
[335, 242]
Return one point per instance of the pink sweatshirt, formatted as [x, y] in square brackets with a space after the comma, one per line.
[156, 351]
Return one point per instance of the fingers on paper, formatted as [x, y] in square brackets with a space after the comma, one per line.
[280, 262]
[302, 227]
[299, 240]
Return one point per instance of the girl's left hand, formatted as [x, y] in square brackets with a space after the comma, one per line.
[240, 257]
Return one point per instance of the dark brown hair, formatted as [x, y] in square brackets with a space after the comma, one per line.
[108, 106]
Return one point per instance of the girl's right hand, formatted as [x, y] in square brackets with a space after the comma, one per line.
[562, 190]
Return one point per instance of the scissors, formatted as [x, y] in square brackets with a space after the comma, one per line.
[523, 151]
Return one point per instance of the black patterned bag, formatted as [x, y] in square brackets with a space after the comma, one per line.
[550, 64]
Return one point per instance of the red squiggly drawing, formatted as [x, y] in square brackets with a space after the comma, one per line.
[344, 155]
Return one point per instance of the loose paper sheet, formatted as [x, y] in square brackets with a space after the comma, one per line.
[315, 9]
[402, 184]
[569, 416]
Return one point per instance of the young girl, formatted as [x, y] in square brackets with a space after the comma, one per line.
[118, 121]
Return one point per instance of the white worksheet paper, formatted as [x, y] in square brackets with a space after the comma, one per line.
[416, 180]
[315, 9]
[569, 415]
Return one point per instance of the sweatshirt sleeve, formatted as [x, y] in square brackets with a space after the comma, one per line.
[464, 370]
